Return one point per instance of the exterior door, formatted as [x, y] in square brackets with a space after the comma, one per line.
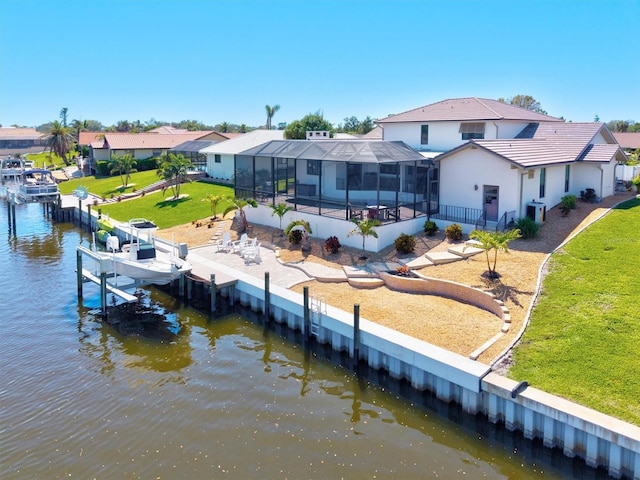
[491, 194]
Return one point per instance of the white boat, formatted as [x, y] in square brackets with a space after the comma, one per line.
[12, 167]
[34, 186]
[141, 258]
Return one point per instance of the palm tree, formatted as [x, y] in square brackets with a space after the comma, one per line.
[174, 170]
[365, 228]
[79, 126]
[496, 241]
[281, 209]
[59, 140]
[123, 165]
[306, 230]
[214, 200]
[239, 204]
[271, 111]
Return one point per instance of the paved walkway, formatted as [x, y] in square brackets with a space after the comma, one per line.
[206, 257]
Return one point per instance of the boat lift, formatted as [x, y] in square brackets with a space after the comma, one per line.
[102, 275]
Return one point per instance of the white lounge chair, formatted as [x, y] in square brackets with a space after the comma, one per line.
[225, 244]
[240, 245]
[252, 252]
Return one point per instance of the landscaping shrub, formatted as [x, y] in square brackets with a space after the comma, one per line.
[528, 227]
[567, 203]
[102, 168]
[588, 195]
[295, 237]
[332, 244]
[430, 227]
[405, 243]
[145, 164]
[453, 232]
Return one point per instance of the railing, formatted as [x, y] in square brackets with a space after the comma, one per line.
[506, 220]
[482, 221]
[458, 214]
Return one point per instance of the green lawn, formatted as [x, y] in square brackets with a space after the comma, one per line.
[166, 213]
[105, 187]
[583, 341]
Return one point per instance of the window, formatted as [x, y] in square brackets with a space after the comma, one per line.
[567, 171]
[424, 134]
[472, 131]
[217, 158]
[543, 179]
[313, 167]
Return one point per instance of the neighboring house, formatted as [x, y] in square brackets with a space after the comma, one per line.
[142, 145]
[629, 141]
[14, 141]
[220, 156]
[191, 151]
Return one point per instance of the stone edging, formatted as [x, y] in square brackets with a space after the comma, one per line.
[455, 291]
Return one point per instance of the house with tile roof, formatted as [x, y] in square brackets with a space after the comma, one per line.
[629, 141]
[142, 145]
[499, 180]
[442, 126]
[21, 141]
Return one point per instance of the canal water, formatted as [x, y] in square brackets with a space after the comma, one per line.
[221, 400]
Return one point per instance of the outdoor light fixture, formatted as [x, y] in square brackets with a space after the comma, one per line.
[475, 187]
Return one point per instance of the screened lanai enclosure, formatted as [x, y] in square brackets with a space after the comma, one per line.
[344, 179]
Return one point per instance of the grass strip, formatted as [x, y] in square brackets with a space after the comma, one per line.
[583, 340]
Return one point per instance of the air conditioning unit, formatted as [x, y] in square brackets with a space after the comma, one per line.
[536, 211]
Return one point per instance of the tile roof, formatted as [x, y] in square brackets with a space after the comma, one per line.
[630, 140]
[244, 142]
[549, 144]
[148, 140]
[467, 109]
[11, 133]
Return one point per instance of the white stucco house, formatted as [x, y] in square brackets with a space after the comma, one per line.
[497, 162]
[476, 162]
[220, 157]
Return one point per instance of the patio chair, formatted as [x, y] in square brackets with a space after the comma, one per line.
[252, 252]
[239, 245]
[224, 245]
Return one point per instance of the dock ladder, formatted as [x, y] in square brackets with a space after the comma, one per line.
[318, 307]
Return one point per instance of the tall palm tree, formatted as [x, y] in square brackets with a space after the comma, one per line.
[271, 111]
[174, 170]
[365, 228]
[496, 241]
[59, 140]
[239, 204]
[79, 126]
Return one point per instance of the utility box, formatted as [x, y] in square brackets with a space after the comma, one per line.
[536, 211]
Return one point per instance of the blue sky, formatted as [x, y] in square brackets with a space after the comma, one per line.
[224, 60]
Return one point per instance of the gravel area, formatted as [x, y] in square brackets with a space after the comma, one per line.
[457, 327]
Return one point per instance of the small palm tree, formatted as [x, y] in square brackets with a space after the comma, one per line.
[239, 204]
[281, 209]
[271, 111]
[123, 165]
[365, 228]
[59, 140]
[174, 170]
[306, 230]
[214, 200]
[496, 241]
